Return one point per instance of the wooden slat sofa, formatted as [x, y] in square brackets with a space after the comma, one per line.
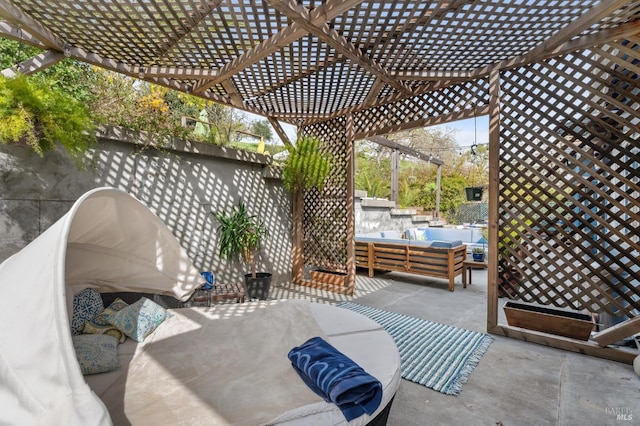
[430, 258]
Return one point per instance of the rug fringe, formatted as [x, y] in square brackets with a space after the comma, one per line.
[472, 363]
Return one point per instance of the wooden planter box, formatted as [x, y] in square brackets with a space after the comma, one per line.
[328, 277]
[561, 322]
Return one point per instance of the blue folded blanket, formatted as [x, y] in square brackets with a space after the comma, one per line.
[336, 378]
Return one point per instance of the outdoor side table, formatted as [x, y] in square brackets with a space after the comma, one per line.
[467, 267]
[224, 292]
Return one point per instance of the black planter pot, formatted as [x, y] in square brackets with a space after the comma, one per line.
[259, 286]
[474, 193]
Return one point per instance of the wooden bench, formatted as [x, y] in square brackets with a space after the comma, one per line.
[425, 260]
[224, 292]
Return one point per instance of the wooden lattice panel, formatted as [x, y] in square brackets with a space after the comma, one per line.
[466, 96]
[325, 219]
[569, 180]
[418, 35]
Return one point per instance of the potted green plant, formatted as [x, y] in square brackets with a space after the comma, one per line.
[240, 236]
[478, 254]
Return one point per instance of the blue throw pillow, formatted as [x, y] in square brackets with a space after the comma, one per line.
[139, 319]
[86, 306]
[96, 353]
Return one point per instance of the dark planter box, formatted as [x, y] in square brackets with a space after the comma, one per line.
[575, 325]
[258, 287]
[328, 277]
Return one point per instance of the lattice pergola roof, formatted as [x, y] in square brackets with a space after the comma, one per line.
[306, 61]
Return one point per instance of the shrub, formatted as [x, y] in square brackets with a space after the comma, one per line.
[35, 114]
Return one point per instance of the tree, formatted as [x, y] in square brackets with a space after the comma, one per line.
[440, 144]
[262, 128]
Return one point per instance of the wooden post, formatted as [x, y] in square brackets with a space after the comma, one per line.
[298, 258]
[451, 267]
[351, 214]
[395, 166]
[438, 178]
[494, 146]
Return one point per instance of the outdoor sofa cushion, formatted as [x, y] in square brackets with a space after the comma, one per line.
[396, 235]
[381, 240]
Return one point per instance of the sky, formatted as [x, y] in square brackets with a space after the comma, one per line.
[465, 130]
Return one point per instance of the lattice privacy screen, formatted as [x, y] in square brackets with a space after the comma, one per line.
[325, 213]
[325, 222]
[569, 180]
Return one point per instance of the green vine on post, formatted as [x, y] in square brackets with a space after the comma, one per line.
[307, 166]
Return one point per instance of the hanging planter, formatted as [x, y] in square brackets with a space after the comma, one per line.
[474, 193]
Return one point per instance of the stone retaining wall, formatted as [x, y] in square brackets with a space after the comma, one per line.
[182, 184]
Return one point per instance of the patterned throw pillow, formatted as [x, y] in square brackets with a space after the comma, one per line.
[96, 353]
[86, 305]
[100, 325]
[139, 319]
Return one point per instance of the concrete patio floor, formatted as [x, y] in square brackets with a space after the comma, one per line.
[515, 383]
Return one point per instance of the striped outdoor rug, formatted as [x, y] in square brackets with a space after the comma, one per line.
[435, 355]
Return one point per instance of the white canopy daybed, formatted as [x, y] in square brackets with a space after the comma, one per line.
[220, 365]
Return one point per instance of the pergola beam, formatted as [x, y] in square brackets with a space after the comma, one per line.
[381, 140]
[432, 75]
[35, 64]
[16, 17]
[14, 33]
[301, 15]
[324, 13]
[280, 131]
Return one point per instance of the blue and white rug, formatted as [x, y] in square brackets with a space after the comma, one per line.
[435, 355]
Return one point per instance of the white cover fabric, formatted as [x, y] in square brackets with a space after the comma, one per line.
[108, 240]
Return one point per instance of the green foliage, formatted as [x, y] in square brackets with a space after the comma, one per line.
[240, 235]
[118, 100]
[34, 113]
[374, 176]
[307, 166]
[451, 193]
[262, 128]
